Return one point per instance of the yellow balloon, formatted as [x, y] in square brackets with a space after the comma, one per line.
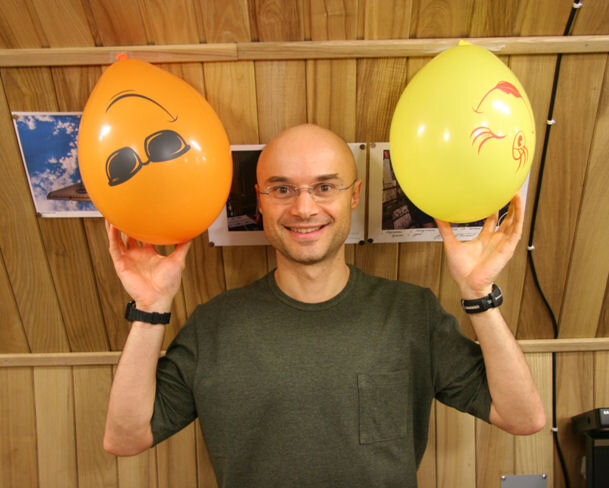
[462, 136]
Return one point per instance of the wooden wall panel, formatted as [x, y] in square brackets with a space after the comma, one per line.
[589, 268]
[563, 178]
[534, 454]
[18, 28]
[441, 18]
[545, 18]
[117, 22]
[176, 459]
[12, 335]
[91, 390]
[18, 426]
[575, 395]
[138, 471]
[54, 400]
[64, 22]
[170, 22]
[22, 246]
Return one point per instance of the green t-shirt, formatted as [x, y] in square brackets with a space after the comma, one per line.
[333, 394]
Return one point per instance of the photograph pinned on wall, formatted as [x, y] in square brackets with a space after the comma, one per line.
[392, 217]
[240, 223]
[48, 144]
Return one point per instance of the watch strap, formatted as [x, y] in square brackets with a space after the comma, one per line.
[134, 315]
[477, 305]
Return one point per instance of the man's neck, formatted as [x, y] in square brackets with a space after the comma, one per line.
[312, 283]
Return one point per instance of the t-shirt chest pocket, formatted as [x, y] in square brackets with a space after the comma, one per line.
[383, 406]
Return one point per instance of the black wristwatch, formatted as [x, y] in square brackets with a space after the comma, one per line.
[132, 314]
[477, 305]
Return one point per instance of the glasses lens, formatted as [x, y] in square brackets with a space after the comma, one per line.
[165, 145]
[324, 191]
[282, 192]
[121, 165]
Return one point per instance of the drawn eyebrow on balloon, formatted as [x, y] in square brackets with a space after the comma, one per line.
[131, 93]
[505, 87]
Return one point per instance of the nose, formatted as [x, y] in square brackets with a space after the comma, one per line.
[303, 205]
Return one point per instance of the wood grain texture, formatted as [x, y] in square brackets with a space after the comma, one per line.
[18, 27]
[441, 18]
[495, 453]
[594, 19]
[456, 448]
[227, 21]
[22, 247]
[545, 18]
[491, 18]
[169, 22]
[387, 19]
[574, 395]
[138, 471]
[117, 22]
[176, 459]
[601, 379]
[12, 334]
[91, 389]
[54, 400]
[64, 22]
[589, 268]
[535, 453]
[18, 426]
[563, 179]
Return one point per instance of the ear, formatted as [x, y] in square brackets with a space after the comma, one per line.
[357, 191]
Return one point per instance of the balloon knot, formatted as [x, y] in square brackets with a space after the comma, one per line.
[122, 56]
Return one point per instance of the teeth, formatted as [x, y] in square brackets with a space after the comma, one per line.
[305, 231]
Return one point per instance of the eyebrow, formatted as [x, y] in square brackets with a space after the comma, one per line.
[131, 93]
[285, 179]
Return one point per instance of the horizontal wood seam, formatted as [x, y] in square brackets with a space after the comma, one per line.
[345, 49]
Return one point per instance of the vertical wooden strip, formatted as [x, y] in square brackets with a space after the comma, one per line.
[54, 395]
[387, 19]
[456, 447]
[545, 18]
[593, 20]
[603, 322]
[30, 279]
[91, 391]
[138, 471]
[227, 21]
[18, 426]
[176, 459]
[494, 454]
[535, 453]
[574, 395]
[589, 267]
[601, 379]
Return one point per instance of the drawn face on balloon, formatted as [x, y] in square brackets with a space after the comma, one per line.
[499, 104]
[137, 115]
[160, 146]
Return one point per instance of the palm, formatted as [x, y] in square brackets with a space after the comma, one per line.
[148, 277]
[476, 264]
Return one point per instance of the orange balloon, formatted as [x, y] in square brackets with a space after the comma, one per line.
[153, 154]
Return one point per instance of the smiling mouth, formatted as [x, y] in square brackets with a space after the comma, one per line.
[305, 230]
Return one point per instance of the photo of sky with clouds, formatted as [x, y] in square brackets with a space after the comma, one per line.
[49, 148]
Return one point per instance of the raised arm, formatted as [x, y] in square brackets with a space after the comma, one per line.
[516, 406]
[152, 280]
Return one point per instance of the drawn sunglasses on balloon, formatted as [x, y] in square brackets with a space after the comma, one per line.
[161, 146]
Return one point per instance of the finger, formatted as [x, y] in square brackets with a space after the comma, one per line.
[181, 251]
[490, 224]
[131, 243]
[446, 231]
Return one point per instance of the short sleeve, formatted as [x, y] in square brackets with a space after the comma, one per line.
[174, 405]
[458, 370]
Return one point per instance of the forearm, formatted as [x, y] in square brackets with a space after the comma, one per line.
[516, 405]
[133, 390]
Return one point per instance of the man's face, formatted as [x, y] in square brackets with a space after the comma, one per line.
[302, 229]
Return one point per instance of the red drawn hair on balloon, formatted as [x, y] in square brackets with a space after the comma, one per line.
[505, 87]
[483, 133]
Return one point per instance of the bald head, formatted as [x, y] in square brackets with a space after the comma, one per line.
[306, 147]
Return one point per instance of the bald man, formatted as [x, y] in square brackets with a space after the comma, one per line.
[317, 374]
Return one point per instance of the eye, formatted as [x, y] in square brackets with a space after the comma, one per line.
[324, 188]
[281, 190]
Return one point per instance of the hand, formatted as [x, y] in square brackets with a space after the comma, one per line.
[150, 278]
[475, 265]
